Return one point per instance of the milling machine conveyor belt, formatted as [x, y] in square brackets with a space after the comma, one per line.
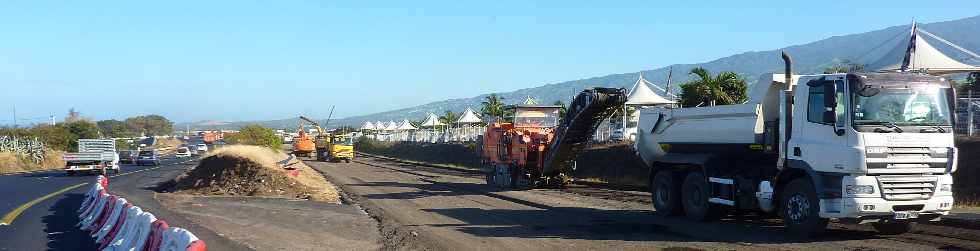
[584, 115]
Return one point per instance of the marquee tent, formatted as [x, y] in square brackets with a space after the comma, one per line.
[915, 54]
[469, 117]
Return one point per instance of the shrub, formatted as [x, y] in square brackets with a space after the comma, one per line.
[255, 135]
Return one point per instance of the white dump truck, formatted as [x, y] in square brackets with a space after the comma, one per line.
[860, 147]
[93, 156]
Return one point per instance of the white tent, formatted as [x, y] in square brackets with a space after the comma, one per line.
[915, 54]
[405, 125]
[391, 125]
[378, 125]
[431, 121]
[469, 117]
[367, 126]
[641, 94]
[529, 100]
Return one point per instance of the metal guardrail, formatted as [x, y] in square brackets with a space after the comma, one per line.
[32, 148]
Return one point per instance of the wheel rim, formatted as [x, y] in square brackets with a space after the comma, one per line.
[797, 208]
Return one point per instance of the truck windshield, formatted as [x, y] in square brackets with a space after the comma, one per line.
[926, 106]
[536, 117]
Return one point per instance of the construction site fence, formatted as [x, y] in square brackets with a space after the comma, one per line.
[968, 114]
[438, 135]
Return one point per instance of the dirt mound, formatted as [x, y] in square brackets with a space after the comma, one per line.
[253, 171]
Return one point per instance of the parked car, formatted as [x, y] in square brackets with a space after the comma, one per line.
[202, 147]
[193, 150]
[127, 157]
[148, 157]
[183, 152]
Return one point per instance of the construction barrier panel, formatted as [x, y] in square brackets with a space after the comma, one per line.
[118, 225]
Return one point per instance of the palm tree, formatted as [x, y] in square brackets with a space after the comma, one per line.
[449, 118]
[725, 89]
[493, 107]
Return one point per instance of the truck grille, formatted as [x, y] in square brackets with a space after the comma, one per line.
[907, 160]
[907, 187]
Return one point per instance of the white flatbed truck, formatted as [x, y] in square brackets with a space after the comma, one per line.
[93, 156]
[879, 150]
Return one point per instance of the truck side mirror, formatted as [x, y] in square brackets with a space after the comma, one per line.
[830, 102]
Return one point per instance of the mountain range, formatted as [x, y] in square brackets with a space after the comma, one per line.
[812, 57]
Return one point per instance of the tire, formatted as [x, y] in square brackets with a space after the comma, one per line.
[665, 192]
[347, 160]
[894, 227]
[800, 209]
[695, 193]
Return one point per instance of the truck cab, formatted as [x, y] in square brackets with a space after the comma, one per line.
[859, 147]
[881, 145]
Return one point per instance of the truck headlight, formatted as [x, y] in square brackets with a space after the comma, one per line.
[876, 149]
[860, 189]
[947, 188]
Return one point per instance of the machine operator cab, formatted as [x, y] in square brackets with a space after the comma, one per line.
[535, 116]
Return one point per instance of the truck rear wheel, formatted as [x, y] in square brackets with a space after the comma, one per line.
[800, 209]
[894, 227]
[695, 193]
[665, 192]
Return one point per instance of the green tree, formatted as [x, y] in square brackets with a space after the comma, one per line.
[492, 107]
[449, 118]
[81, 129]
[115, 129]
[968, 84]
[844, 66]
[561, 111]
[150, 125]
[257, 135]
[724, 89]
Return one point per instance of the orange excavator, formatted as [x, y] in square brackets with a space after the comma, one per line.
[303, 145]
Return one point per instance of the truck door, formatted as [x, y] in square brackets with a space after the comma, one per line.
[814, 141]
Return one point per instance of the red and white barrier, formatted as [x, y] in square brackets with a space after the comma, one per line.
[118, 225]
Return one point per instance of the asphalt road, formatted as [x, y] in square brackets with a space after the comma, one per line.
[423, 207]
[49, 224]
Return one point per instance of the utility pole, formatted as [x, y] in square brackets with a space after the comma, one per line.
[15, 116]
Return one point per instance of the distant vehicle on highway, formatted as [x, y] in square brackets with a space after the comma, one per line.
[127, 157]
[193, 150]
[202, 147]
[148, 157]
[183, 152]
[94, 155]
[186, 137]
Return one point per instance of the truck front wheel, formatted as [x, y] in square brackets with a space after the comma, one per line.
[695, 194]
[666, 194]
[894, 227]
[800, 209]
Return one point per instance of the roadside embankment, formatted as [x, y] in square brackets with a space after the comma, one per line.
[241, 170]
[14, 163]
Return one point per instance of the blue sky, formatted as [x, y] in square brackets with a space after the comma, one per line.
[259, 60]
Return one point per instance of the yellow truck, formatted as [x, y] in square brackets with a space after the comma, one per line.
[340, 148]
[331, 146]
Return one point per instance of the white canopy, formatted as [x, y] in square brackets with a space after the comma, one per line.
[367, 126]
[529, 100]
[378, 125]
[641, 94]
[391, 125]
[405, 125]
[431, 121]
[922, 56]
[469, 117]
